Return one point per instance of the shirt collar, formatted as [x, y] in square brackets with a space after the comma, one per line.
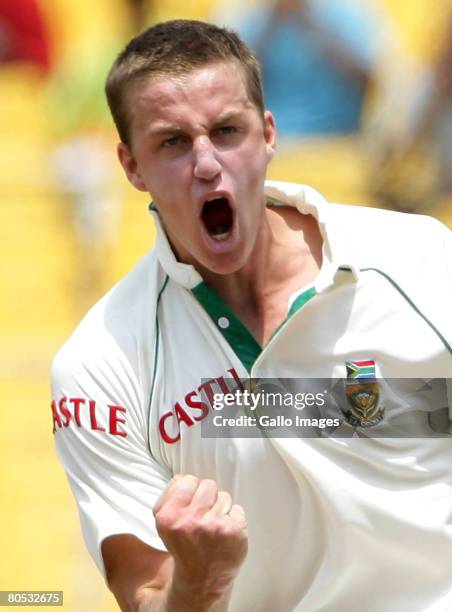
[183, 274]
[337, 250]
[337, 245]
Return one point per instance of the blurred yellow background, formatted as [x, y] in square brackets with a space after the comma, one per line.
[44, 295]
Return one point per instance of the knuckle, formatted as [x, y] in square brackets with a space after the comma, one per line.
[164, 521]
[211, 527]
[197, 528]
[210, 482]
[188, 482]
[180, 530]
[222, 527]
[238, 511]
[210, 485]
[231, 529]
[225, 496]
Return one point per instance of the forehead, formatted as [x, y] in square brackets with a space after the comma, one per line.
[200, 95]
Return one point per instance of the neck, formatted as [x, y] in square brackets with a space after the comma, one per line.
[246, 284]
[286, 256]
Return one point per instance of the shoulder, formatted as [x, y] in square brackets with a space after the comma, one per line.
[385, 235]
[412, 252]
[388, 220]
[369, 233]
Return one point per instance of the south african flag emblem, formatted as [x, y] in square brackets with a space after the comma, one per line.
[360, 370]
[363, 394]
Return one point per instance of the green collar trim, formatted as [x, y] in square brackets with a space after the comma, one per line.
[301, 300]
[239, 338]
[243, 343]
[412, 304]
[298, 303]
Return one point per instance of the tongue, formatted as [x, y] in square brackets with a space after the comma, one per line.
[217, 216]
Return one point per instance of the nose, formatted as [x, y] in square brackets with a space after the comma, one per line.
[206, 164]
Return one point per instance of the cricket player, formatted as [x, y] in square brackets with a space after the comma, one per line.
[255, 280]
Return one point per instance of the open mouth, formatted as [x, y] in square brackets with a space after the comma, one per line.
[218, 218]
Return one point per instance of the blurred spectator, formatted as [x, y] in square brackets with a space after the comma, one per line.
[24, 36]
[436, 114]
[412, 133]
[84, 161]
[317, 57]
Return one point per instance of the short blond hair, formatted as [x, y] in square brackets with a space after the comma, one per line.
[175, 48]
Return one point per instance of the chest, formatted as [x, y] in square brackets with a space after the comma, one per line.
[196, 360]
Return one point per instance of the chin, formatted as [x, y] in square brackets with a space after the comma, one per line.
[225, 265]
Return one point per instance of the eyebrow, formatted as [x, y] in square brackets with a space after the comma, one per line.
[174, 130]
[227, 117]
[165, 130]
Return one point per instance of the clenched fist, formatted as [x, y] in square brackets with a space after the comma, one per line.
[204, 532]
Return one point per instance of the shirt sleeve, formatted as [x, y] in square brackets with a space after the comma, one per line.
[99, 416]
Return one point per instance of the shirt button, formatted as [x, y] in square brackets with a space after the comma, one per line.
[223, 322]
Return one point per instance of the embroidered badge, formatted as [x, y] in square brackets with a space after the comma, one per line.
[363, 394]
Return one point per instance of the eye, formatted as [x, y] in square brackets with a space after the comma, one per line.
[227, 129]
[172, 142]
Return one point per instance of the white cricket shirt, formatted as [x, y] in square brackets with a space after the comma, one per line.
[341, 523]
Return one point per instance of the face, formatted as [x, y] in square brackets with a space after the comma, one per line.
[201, 148]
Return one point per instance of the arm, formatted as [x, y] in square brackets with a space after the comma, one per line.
[207, 542]
[101, 434]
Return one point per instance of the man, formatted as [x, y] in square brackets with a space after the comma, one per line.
[329, 48]
[260, 282]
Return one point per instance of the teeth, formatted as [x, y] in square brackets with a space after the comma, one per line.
[214, 197]
[220, 237]
[220, 233]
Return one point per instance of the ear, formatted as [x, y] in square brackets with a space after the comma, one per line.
[270, 134]
[130, 165]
